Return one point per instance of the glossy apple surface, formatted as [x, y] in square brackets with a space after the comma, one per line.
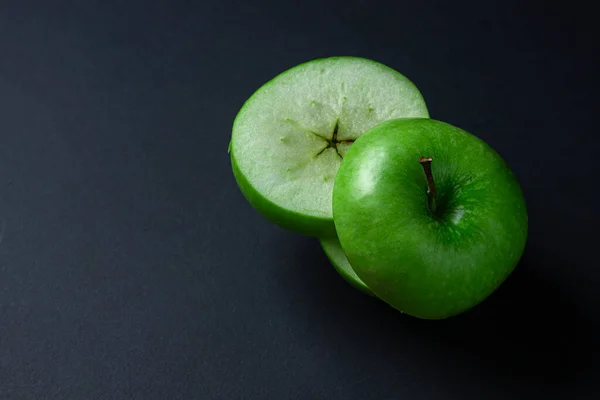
[428, 261]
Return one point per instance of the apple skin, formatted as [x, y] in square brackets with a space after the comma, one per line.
[337, 258]
[428, 265]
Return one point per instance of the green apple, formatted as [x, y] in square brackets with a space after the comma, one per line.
[430, 217]
[289, 138]
[333, 250]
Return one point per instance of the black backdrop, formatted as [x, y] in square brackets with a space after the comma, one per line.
[132, 267]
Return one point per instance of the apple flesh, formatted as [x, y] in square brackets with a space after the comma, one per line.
[431, 248]
[289, 138]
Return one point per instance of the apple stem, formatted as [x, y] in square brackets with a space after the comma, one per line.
[426, 164]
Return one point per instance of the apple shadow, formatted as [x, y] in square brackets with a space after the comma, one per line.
[528, 330]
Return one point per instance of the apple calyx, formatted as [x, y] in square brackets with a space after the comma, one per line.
[431, 197]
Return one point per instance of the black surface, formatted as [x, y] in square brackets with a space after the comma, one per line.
[132, 267]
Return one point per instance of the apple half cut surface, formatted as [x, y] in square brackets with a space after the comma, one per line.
[290, 136]
[333, 250]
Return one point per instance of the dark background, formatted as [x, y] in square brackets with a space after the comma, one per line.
[131, 267]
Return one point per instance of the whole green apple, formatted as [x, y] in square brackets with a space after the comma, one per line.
[430, 217]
